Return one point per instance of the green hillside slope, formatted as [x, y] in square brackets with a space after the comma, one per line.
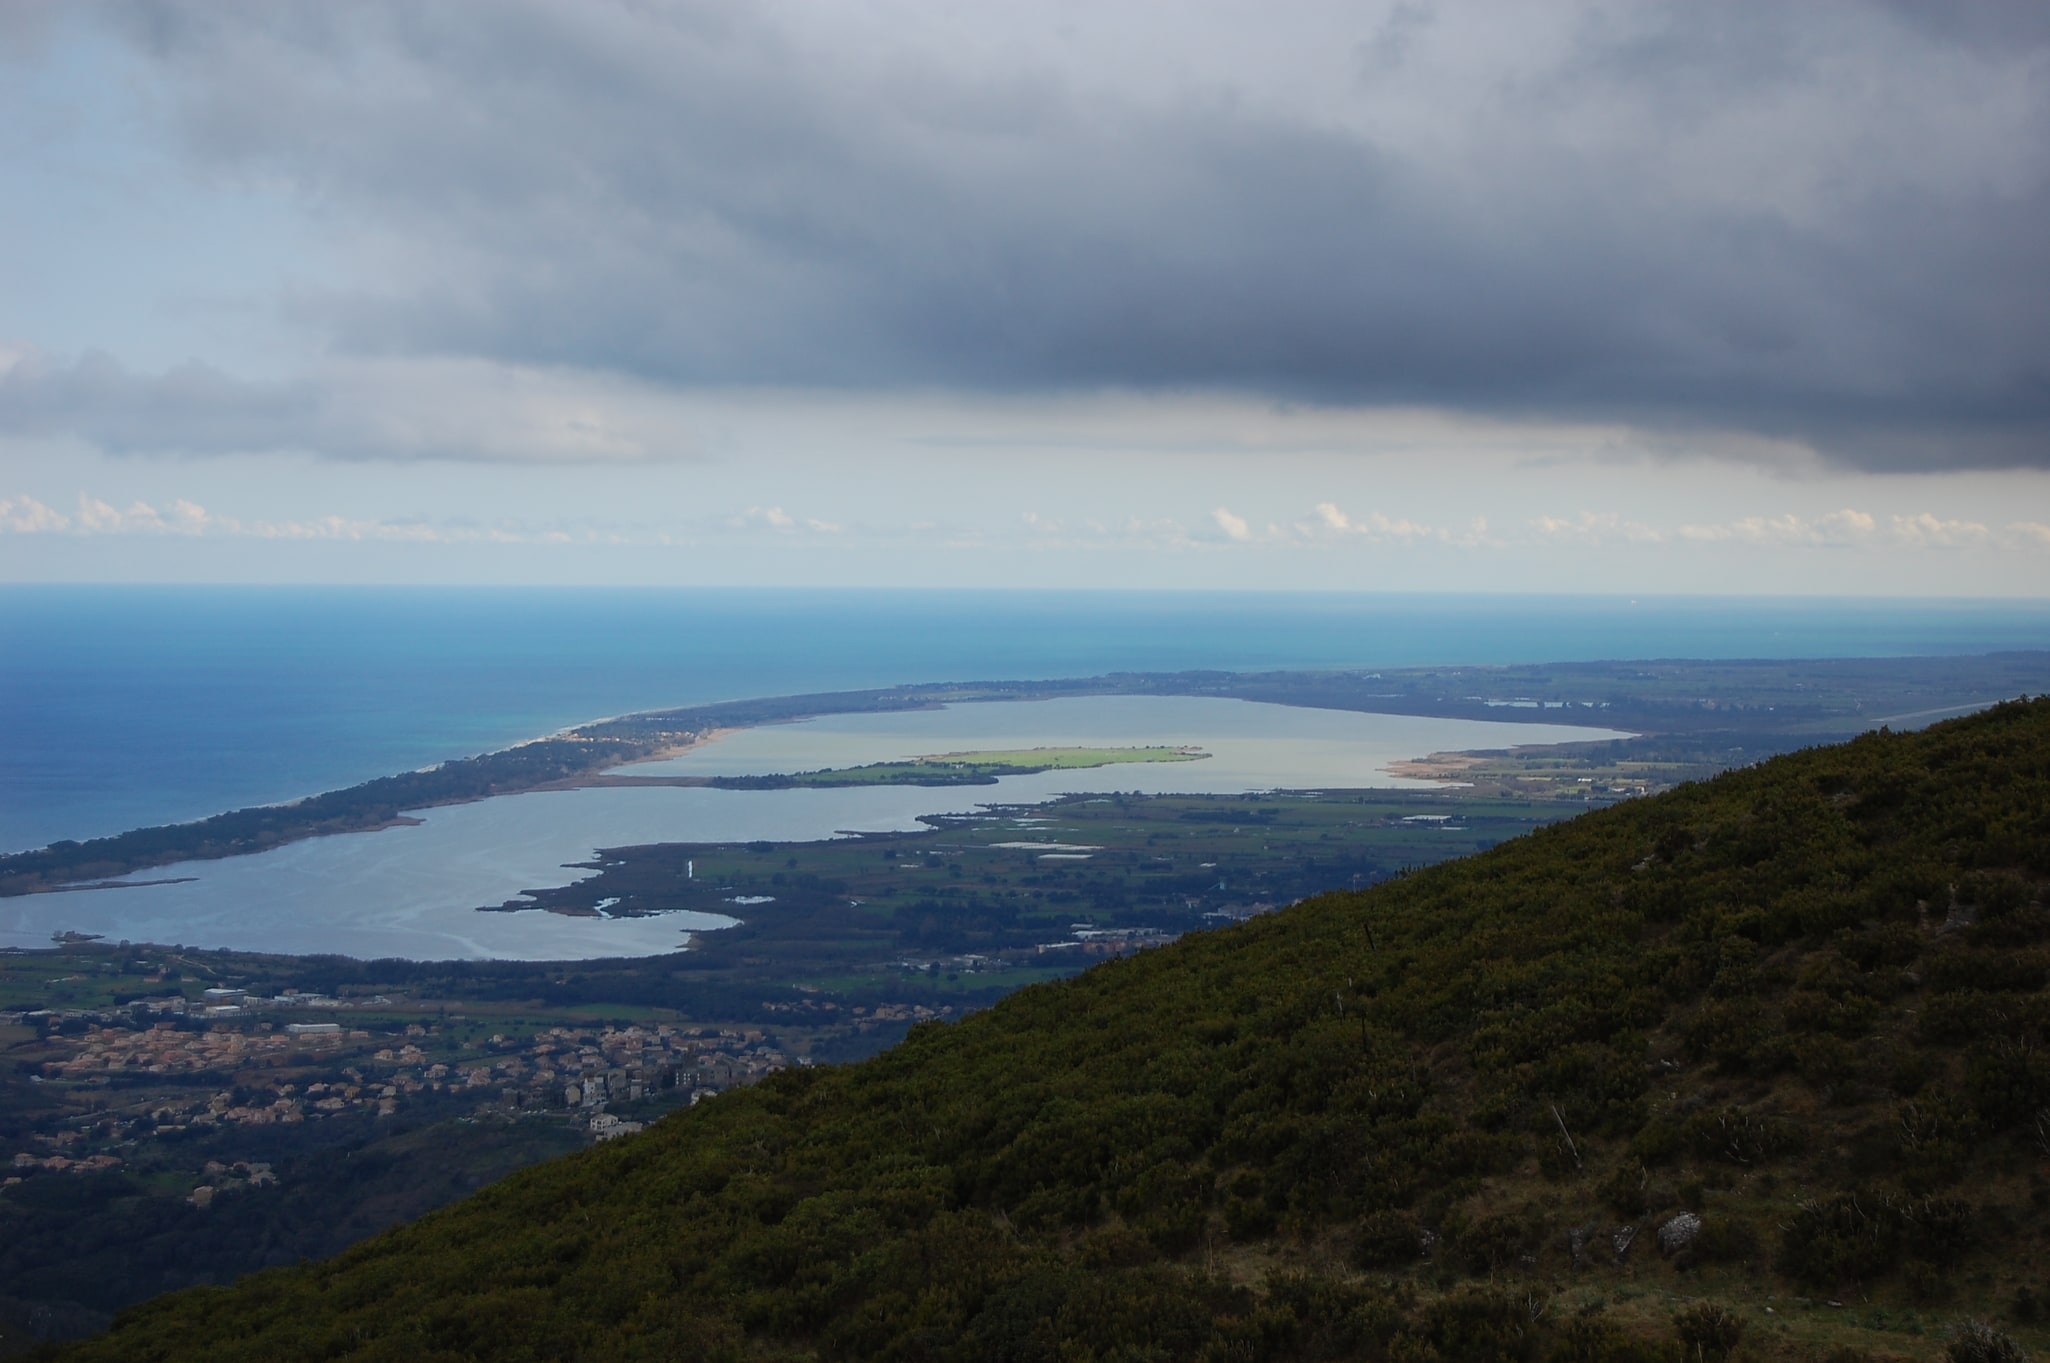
[1453, 1116]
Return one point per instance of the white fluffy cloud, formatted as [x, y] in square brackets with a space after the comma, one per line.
[1380, 528]
[777, 519]
[1927, 531]
[1233, 525]
[1836, 528]
[25, 515]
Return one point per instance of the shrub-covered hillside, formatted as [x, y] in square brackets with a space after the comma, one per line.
[1760, 1064]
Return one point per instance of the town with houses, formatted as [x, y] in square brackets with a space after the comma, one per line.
[159, 1068]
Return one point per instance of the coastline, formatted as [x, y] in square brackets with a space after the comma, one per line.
[604, 778]
[1662, 701]
[567, 759]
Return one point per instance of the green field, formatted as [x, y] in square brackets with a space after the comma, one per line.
[963, 768]
[1051, 759]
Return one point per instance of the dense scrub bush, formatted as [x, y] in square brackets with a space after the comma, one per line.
[1591, 1337]
[1937, 1136]
[1978, 1341]
[1857, 1237]
[1965, 1015]
[1388, 1239]
[2007, 1080]
[1743, 1138]
[1843, 1239]
[1486, 1243]
[1733, 1033]
[1485, 1326]
[1827, 1063]
[1724, 1240]
[1709, 1329]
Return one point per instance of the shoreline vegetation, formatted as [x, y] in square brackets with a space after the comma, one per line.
[1691, 719]
[936, 769]
[957, 769]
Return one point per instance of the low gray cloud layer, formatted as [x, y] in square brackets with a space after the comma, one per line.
[436, 409]
[194, 409]
[1827, 222]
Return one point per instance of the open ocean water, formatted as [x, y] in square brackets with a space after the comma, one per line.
[128, 706]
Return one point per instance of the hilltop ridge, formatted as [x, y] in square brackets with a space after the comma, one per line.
[1756, 1064]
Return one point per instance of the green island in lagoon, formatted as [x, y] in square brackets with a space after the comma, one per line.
[962, 768]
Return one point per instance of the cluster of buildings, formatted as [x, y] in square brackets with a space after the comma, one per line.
[229, 1003]
[1090, 940]
[25, 1162]
[222, 1178]
[221, 1004]
[968, 963]
[865, 1019]
[620, 1064]
[558, 1068]
[1083, 939]
[299, 1072]
[163, 1048]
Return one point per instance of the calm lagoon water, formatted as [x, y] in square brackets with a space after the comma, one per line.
[416, 891]
[122, 707]
[129, 706]
[1252, 746]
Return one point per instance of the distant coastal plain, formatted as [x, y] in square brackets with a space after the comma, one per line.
[588, 755]
[128, 707]
[150, 709]
[398, 866]
[412, 889]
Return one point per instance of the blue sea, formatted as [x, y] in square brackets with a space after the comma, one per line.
[128, 706]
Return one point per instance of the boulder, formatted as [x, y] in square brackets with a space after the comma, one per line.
[1679, 1233]
[1622, 1240]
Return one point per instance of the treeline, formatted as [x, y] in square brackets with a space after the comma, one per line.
[1777, 1036]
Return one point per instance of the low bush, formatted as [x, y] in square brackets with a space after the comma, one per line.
[1709, 1330]
[1978, 1341]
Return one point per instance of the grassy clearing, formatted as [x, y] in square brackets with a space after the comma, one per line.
[1055, 759]
[963, 768]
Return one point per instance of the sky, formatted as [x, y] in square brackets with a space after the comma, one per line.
[1573, 297]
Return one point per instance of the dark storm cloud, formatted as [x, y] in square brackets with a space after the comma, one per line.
[1826, 222]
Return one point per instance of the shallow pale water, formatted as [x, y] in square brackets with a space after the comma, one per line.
[1252, 746]
[415, 891]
